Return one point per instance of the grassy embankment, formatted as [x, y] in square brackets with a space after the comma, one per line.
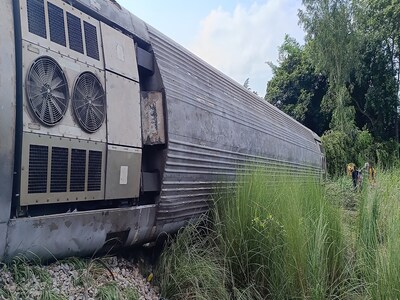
[291, 239]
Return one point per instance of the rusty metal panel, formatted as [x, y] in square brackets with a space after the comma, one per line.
[123, 111]
[123, 172]
[119, 53]
[77, 233]
[7, 108]
[215, 127]
[153, 128]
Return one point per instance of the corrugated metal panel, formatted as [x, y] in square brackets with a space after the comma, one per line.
[215, 128]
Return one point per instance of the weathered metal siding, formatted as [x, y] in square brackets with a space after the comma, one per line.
[7, 115]
[214, 127]
[77, 233]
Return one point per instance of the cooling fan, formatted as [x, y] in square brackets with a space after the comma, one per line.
[47, 90]
[89, 102]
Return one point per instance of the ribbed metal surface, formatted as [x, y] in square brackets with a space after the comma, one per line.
[59, 170]
[38, 164]
[94, 170]
[74, 33]
[36, 17]
[92, 45]
[216, 128]
[78, 170]
[56, 24]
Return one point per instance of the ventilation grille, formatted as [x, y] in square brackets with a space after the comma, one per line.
[83, 174]
[89, 102]
[56, 24]
[47, 90]
[94, 171]
[78, 170]
[55, 18]
[38, 161]
[75, 33]
[36, 17]
[59, 170]
[92, 48]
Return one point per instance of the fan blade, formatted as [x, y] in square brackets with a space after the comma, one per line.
[58, 95]
[36, 78]
[82, 105]
[43, 110]
[79, 90]
[92, 87]
[35, 92]
[41, 69]
[50, 73]
[56, 83]
[51, 113]
[86, 117]
[98, 112]
[55, 102]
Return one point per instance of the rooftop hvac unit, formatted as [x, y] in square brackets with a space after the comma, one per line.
[88, 101]
[47, 90]
[61, 46]
[64, 132]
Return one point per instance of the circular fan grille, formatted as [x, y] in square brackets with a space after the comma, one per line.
[47, 90]
[89, 102]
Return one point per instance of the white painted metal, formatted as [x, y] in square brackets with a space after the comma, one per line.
[119, 53]
[123, 111]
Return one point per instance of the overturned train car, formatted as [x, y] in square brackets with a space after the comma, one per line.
[110, 131]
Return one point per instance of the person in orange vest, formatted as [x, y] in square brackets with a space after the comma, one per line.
[371, 174]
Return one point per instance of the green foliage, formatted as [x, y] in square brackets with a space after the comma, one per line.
[358, 147]
[192, 267]
[131, 294]
[281, 236]
[336, 145]
[297, 88]
[48, 294]
[378, 240]
[271, 238]
[334, 44]
[108, 291]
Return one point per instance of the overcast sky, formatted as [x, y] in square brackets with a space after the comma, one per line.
[237, 37]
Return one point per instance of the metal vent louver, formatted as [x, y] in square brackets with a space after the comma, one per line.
[47, 90]
[89, 102]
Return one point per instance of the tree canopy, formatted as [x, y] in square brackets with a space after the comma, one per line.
[344, 82]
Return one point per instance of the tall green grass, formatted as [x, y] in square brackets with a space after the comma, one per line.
[378, 238]
[282, 237]
[273, 237]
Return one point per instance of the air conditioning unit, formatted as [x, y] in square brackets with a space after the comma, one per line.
[64, 105]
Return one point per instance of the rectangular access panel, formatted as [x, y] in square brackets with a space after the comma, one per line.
[119, 53]
[123, 111]
[123, 172]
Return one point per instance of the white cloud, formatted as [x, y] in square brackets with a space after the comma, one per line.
[240, 42]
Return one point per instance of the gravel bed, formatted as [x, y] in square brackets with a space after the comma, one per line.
[100, 278]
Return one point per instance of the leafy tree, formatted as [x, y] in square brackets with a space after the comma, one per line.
[374, 93]
[296, 87]
[379, 21]
[333, 42]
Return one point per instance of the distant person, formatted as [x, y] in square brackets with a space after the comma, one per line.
[350, 167]
[372, 174]
[354, 176]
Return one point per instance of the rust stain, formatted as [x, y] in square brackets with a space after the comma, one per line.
[53, 227]
[38, 224]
